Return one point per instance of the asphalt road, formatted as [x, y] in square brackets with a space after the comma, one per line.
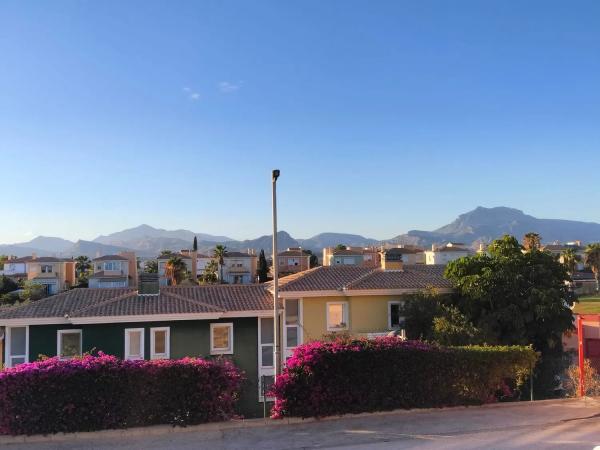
[539, 425]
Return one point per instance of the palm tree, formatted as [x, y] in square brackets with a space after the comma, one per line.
[175, 270]
[531, 241]
[219, 253]
[592, 259]
[570, 258]
[82, 266]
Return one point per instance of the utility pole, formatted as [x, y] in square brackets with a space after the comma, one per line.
[276, 344]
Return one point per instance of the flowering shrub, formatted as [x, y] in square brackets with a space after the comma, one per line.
[329, 378]
[101, 392]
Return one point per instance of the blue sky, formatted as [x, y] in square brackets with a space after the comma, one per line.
[382, 116]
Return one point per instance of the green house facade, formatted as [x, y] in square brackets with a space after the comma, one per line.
[223, 321]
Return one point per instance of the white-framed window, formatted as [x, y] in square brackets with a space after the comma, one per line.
[349, 261]
[68, 343]
[266, 367]
[160, 343]
[46, 268]
[17, 346]
[134, 343]
[293, 261]
[112, 265]
[395, 319]
[221, 338]
[337, 316]
[265, 342]
[292, 336]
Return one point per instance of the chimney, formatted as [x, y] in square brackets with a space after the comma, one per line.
[33, 255]
[391, 260]
[433, 247]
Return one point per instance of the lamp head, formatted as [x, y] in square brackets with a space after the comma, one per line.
[275, 174]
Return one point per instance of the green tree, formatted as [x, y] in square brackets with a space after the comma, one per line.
[570, 258]
[165, 253]
[340, 247]
[313, 260]
[151, 266]
[514, 297]
[419, 310]
[175, 270]
[195, 245]
[3, 259]
[452, 327]
[592, 259]
[33, 291]
[263, 267]
[7, 285]
[219, 254]
[532, 241]
[209, 276]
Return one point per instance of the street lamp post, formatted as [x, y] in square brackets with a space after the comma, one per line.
[276, 344]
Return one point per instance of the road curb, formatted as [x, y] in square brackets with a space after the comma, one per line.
[216, 429]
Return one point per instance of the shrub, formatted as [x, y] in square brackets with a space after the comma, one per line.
[331, 378]
[102, 392]
[591, 381]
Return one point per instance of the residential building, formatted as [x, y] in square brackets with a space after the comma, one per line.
[233, 322]
[186, 256]
[293, 260]
[410, 254]
[351, 299]
[112, 271]
[239, 267]
[55, 274]
[557, 249]
[16, 268]
[449, 252]
[201, 262]
[351, 256]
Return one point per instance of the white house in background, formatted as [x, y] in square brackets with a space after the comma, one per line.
[201, 263]
[239, 268]
[446, 253]
[111, 271]
[16, 267]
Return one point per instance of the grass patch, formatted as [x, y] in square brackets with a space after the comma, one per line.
[588, 305]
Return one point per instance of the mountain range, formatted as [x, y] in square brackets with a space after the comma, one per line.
[479, 225]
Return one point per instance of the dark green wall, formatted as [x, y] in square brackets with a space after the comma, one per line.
[188, 338]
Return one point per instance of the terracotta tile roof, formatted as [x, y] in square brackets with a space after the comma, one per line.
[403, 250]
[65, 303]
[110, 302]
[293, 252]
[111, 258]
[329, 278]
[323, 278]
[48, 259]
[414, 276]
[22, 259]
[228, 297]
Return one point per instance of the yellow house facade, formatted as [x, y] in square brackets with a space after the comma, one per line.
[355, 300]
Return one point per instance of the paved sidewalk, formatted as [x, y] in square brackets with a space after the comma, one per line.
[556, 424]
